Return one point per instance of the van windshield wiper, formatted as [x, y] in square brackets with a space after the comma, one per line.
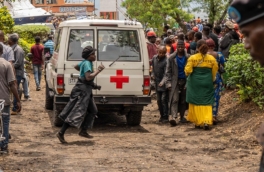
[119, 58]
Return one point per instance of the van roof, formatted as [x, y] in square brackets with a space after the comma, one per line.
[101, 22]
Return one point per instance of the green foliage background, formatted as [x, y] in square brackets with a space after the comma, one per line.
[29, 32]
[247, 75]
[6, 21]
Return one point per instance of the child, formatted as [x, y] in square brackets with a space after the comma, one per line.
[159, 63]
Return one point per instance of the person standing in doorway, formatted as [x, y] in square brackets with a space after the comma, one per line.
[250, 17]
[37, 61]
[7, 83]
[159, 63]
[19, 56]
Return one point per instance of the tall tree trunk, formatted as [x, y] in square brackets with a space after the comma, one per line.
[212, 12]
[224, 12]
[182, 25]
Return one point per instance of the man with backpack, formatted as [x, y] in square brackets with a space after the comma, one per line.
[231, 38]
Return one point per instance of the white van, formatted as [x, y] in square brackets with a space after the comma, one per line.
[121, 48]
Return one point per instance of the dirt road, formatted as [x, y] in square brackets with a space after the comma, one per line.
[151, 147]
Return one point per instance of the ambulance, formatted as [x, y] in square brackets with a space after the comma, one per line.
[121, 48]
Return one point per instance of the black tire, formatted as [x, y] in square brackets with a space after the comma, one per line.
[57, 121]
[134, 118]
[48, 100]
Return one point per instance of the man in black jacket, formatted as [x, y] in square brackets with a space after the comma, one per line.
[213, 36]
[250, 17]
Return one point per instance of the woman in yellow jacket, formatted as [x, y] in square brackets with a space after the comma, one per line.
[201, 70]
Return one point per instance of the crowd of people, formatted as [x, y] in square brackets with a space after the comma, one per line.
[187, 71]
[13, 74]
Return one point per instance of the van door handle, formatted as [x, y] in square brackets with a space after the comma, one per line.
[75, 75]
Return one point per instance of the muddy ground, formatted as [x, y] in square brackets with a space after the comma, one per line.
[152, 147]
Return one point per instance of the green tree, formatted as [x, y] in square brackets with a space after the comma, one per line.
[155, 13]
[7, 22]
[216, 9]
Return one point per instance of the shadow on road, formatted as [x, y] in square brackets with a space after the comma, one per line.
[107, 123]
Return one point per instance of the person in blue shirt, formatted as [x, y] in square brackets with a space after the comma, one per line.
[81, 109]
[50, 44]
[176, 81]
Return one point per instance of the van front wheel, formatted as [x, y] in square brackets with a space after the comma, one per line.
[134, 118]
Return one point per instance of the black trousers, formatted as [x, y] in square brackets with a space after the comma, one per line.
[182, 104]
[162, 101]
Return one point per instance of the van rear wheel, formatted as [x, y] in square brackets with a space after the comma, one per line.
[134, 118]
[57, 121]
[49, 100]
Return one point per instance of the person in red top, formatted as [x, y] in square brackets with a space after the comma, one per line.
[37, 61]
[186, 44]
[236, 28]
[151, 46]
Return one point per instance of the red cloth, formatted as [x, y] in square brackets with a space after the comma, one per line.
[152, 50]
[187, 46]
[37, 51]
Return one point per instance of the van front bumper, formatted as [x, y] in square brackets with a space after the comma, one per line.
[111, 100]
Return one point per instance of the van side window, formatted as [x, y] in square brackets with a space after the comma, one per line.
[118, 43]
[78, 40]
[57, 40]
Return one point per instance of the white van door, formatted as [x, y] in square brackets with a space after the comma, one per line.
[78, 39]
[119, 50]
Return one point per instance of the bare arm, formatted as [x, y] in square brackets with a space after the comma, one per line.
[90, 76]
[77, 67]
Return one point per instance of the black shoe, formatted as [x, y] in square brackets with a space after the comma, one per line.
[28, 98]
[9, 136]
[183, 120]
[4, 149]
[61, 137]
[206, 127]
[160, 120]
[85, 134]
[197, 127]
[38, 89]
[173, 122]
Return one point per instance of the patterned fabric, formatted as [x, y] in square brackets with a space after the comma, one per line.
[218, 85]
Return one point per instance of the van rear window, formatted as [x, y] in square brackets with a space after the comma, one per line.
[79, 39]
[122, 44]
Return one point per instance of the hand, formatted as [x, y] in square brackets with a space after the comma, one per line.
[160, 84]
[98, 87]
[153, 78]
[42, 67]
[169, 88]
[101, 67]
[18, 106]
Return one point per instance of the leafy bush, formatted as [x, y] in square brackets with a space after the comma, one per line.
[25, 45]
[29, 32]
[246, 74]
[7, 23]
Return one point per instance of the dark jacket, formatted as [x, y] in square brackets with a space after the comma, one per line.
[215, 39]
[172, 75]
[77, 108]
[226, 44]
[159, 72]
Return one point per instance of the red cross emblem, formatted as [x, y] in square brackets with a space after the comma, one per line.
[119, 79]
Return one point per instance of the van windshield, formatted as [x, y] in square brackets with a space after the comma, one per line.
[79, 39]
[118, 44]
